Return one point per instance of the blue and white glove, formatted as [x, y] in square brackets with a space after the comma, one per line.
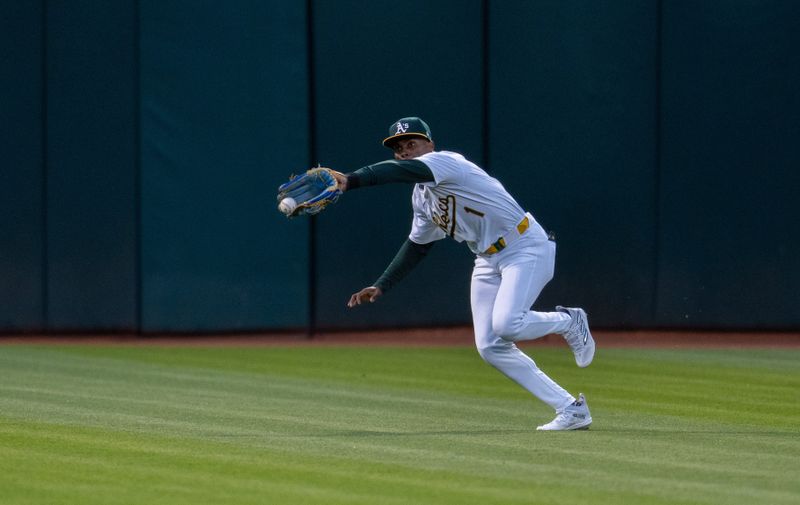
[310, 192]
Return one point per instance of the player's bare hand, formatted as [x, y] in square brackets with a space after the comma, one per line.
[341, 179]
[369, 294]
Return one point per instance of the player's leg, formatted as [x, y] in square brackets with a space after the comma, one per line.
[500, 353]
[525, 271]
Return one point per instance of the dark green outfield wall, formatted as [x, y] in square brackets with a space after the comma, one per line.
[91, 159]
[22, 175]
[379, 69]
[224, 117]
[142, 142]
[573, 131]
[729, 178]
[69, 154]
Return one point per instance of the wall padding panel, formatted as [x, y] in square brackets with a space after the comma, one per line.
[224, 121]
[573, 135]
[729, 237]
[91, 155]
[373, 66]
[21, 167]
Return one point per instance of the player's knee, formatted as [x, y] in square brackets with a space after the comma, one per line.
[507, 325]
[489, 353]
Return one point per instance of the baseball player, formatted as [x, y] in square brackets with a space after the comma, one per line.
[453, 197]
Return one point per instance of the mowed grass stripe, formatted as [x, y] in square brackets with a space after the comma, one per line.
[309, 405]
[211, 382]
[149, 480]
[665, 386]
[268, 468]
[414, 435]
[227, 388]
[154, 469]
[413, 400]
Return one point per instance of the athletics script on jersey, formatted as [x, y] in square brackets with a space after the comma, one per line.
[445, 218]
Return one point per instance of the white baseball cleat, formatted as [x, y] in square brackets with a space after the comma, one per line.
[575, 417]
[578, 336]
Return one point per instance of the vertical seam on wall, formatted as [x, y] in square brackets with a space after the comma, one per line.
[45, 262]
[485, 108]
[137, 167]
[312, 156]
[658, 168]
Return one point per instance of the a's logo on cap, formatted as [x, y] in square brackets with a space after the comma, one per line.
[401, 128]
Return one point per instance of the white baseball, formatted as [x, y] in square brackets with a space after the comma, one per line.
[287, 205]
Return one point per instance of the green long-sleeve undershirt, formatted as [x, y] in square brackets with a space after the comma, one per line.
[408, 257]
[386, 172]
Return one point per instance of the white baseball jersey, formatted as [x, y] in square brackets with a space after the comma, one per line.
[462, 202]
[465, 203]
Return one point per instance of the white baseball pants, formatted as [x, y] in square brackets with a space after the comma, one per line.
[504, 287]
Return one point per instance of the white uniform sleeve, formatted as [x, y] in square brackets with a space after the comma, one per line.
[443, 166]
[424, 231]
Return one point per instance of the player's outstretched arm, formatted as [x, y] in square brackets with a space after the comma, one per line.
[386, 172]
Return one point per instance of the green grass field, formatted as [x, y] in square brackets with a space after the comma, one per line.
[359, 425]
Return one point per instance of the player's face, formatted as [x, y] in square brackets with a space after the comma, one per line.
[410, 148]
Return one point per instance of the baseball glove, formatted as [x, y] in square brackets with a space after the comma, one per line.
[311, 191]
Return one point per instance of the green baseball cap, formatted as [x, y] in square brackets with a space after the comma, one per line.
[408, 127]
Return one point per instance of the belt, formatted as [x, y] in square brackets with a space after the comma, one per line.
[501, 243]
